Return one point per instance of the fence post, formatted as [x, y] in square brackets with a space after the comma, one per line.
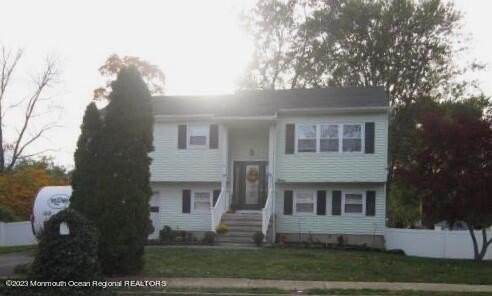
[2, 231]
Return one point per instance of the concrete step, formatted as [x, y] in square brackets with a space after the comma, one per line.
[234, 223]
[245, 229]
[236, 245]
[235, 240]
[237, 234]
[231, 218]
[235, 215]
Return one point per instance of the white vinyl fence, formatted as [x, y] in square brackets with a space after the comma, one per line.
[435, 243]
[16, 234]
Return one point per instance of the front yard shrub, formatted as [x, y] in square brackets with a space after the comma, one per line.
[6, 215]
[258, 238]
[167, 234]
[209, 238]
[68, 257]
[221, 228]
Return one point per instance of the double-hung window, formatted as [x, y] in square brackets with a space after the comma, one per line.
[352, 138]
[328, 138]
[305, 202]
[201, 201]
[306, 140]
[354, 203]
[198, 135]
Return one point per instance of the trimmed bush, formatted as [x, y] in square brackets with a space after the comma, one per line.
[258, 238]
[221, 228]
[6, 215]
[209, 238]
[167, 234]
[71, 257]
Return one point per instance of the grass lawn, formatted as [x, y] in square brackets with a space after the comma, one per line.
[16, 249]
[263, 291]
[311, 264]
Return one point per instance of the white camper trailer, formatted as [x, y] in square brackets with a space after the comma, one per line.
[49, 201]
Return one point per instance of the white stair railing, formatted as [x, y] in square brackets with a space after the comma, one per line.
[266, 213]
[219, 208]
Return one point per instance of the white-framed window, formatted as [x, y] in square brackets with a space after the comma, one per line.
[202, 200]
[329, 138]
[352, 138]
[198, 135]
[306, 138]
[353, 203]
[305, 202]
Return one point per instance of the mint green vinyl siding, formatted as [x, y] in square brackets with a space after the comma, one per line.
[170, 206]
[170, 164]
[334, 166]
[329, 224]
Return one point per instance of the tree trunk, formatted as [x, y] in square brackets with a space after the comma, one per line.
[2, 152]
[479, 254]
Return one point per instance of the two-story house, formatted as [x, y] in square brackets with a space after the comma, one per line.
[295, 164]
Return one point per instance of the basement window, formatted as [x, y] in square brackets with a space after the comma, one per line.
[201, 201]
[304, 202]
[353, 203]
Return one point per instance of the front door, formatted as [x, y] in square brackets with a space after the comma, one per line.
[250, 185]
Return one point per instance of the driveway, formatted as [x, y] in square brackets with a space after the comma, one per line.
[9, 261]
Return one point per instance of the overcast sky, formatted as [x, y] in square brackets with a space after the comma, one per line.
[198, 44]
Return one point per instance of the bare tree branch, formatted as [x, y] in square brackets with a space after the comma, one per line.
[41, 82]
[8, 65]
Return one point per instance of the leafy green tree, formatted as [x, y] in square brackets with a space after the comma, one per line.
[87, 157]
[404, 207]
[123, 189]
[405, 46]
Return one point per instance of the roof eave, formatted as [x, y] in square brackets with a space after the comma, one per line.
[334, 110]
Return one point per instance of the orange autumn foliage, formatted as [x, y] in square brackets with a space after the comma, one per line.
[19, 187]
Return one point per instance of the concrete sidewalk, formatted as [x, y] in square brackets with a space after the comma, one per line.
[9, 261]
[307, 285]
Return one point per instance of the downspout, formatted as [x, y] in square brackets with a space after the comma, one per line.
[274, 189]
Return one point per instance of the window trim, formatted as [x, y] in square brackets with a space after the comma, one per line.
[340, 137]
[362, 137]
[361, 214]
[340, 129]
[316, 137]
[188, 136]
[210, 199]
[313, 194]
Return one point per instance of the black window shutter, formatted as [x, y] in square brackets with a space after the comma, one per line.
[182, 136]
[216, 195]
[336, 202]
[186, 200]
[370, 203]
[288, 202]
[369, 137]
[214, 136]
[321, 203]
[290, 136]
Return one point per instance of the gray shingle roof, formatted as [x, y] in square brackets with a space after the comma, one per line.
[268, 102]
